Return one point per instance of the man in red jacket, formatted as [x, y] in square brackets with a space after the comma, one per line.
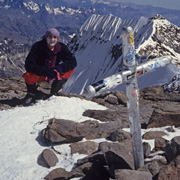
[48, 60]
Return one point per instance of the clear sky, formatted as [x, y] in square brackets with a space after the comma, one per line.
[170, 4]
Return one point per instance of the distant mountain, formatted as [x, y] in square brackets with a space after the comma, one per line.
[25, 21]
[98, 46]
[12, 56]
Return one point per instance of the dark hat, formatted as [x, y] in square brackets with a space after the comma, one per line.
[51, 31]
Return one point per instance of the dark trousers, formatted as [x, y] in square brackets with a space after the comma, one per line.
[56, 86]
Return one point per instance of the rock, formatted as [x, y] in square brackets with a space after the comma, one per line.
[146, 111]
[49, 158]
[111, 99]
[61, 131]
[156, 110]
[170, 171]
[108, 98]
[96, 156]
[165, 115]
[87, 147]
[125, 174]
[113, 155]
[160, 143]
[121, 97]
[117, 156]
[158, 156]
[156, 93]
[173, 148]
[170, 129]
[66, 131]
[119, 135]
[153, 134]
[97, 172]
[59, 173]
[82, 170]
[146, 149]
[120, 115]
[152, 167]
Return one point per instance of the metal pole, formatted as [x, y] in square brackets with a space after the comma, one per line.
[132, 94]
[123, 76]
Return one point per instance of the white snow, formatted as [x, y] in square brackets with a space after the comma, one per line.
[73, 11]
[20, 146]
[49, 9]
[32, 6]
[58, 11]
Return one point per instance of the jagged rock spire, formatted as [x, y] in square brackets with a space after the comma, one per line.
[158, 16]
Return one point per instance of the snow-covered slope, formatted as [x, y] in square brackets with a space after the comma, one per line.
[98, 46]
[19, 143]
[164, 39]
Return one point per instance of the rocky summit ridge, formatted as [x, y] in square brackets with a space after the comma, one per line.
[110, 159]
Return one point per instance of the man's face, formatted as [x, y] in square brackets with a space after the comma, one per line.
[51, 40]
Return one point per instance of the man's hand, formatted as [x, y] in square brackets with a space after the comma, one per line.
[59, 68]
[49, 73]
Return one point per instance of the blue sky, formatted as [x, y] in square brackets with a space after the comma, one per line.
[170, 4]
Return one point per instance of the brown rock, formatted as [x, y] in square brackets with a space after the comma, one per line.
[117, 156]
[146, 149]
[49, 158]
[119, 115]
[97, 156]
[153, 134]
[82, 169]
[152, 167]
[160, 143]
[122, 99]
[111, 99]
[125, 174]
[107, 115]
[156, 93]
[87, 147]
[119, 135]
[64, 131]
[59, 173]
[97, 172]
[165, 115]
[173, 148]
[157, 156]
[170, 171]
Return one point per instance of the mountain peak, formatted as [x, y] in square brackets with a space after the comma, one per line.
[104, 27]
[158, 16]
[98, 47]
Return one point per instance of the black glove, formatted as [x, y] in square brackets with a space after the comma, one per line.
[59, 68]
[49, 73]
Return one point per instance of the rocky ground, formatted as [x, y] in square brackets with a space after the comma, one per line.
[112, 159]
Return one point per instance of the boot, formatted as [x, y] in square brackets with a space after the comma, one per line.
[32, 88]
[57, 86]
[31, 95]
